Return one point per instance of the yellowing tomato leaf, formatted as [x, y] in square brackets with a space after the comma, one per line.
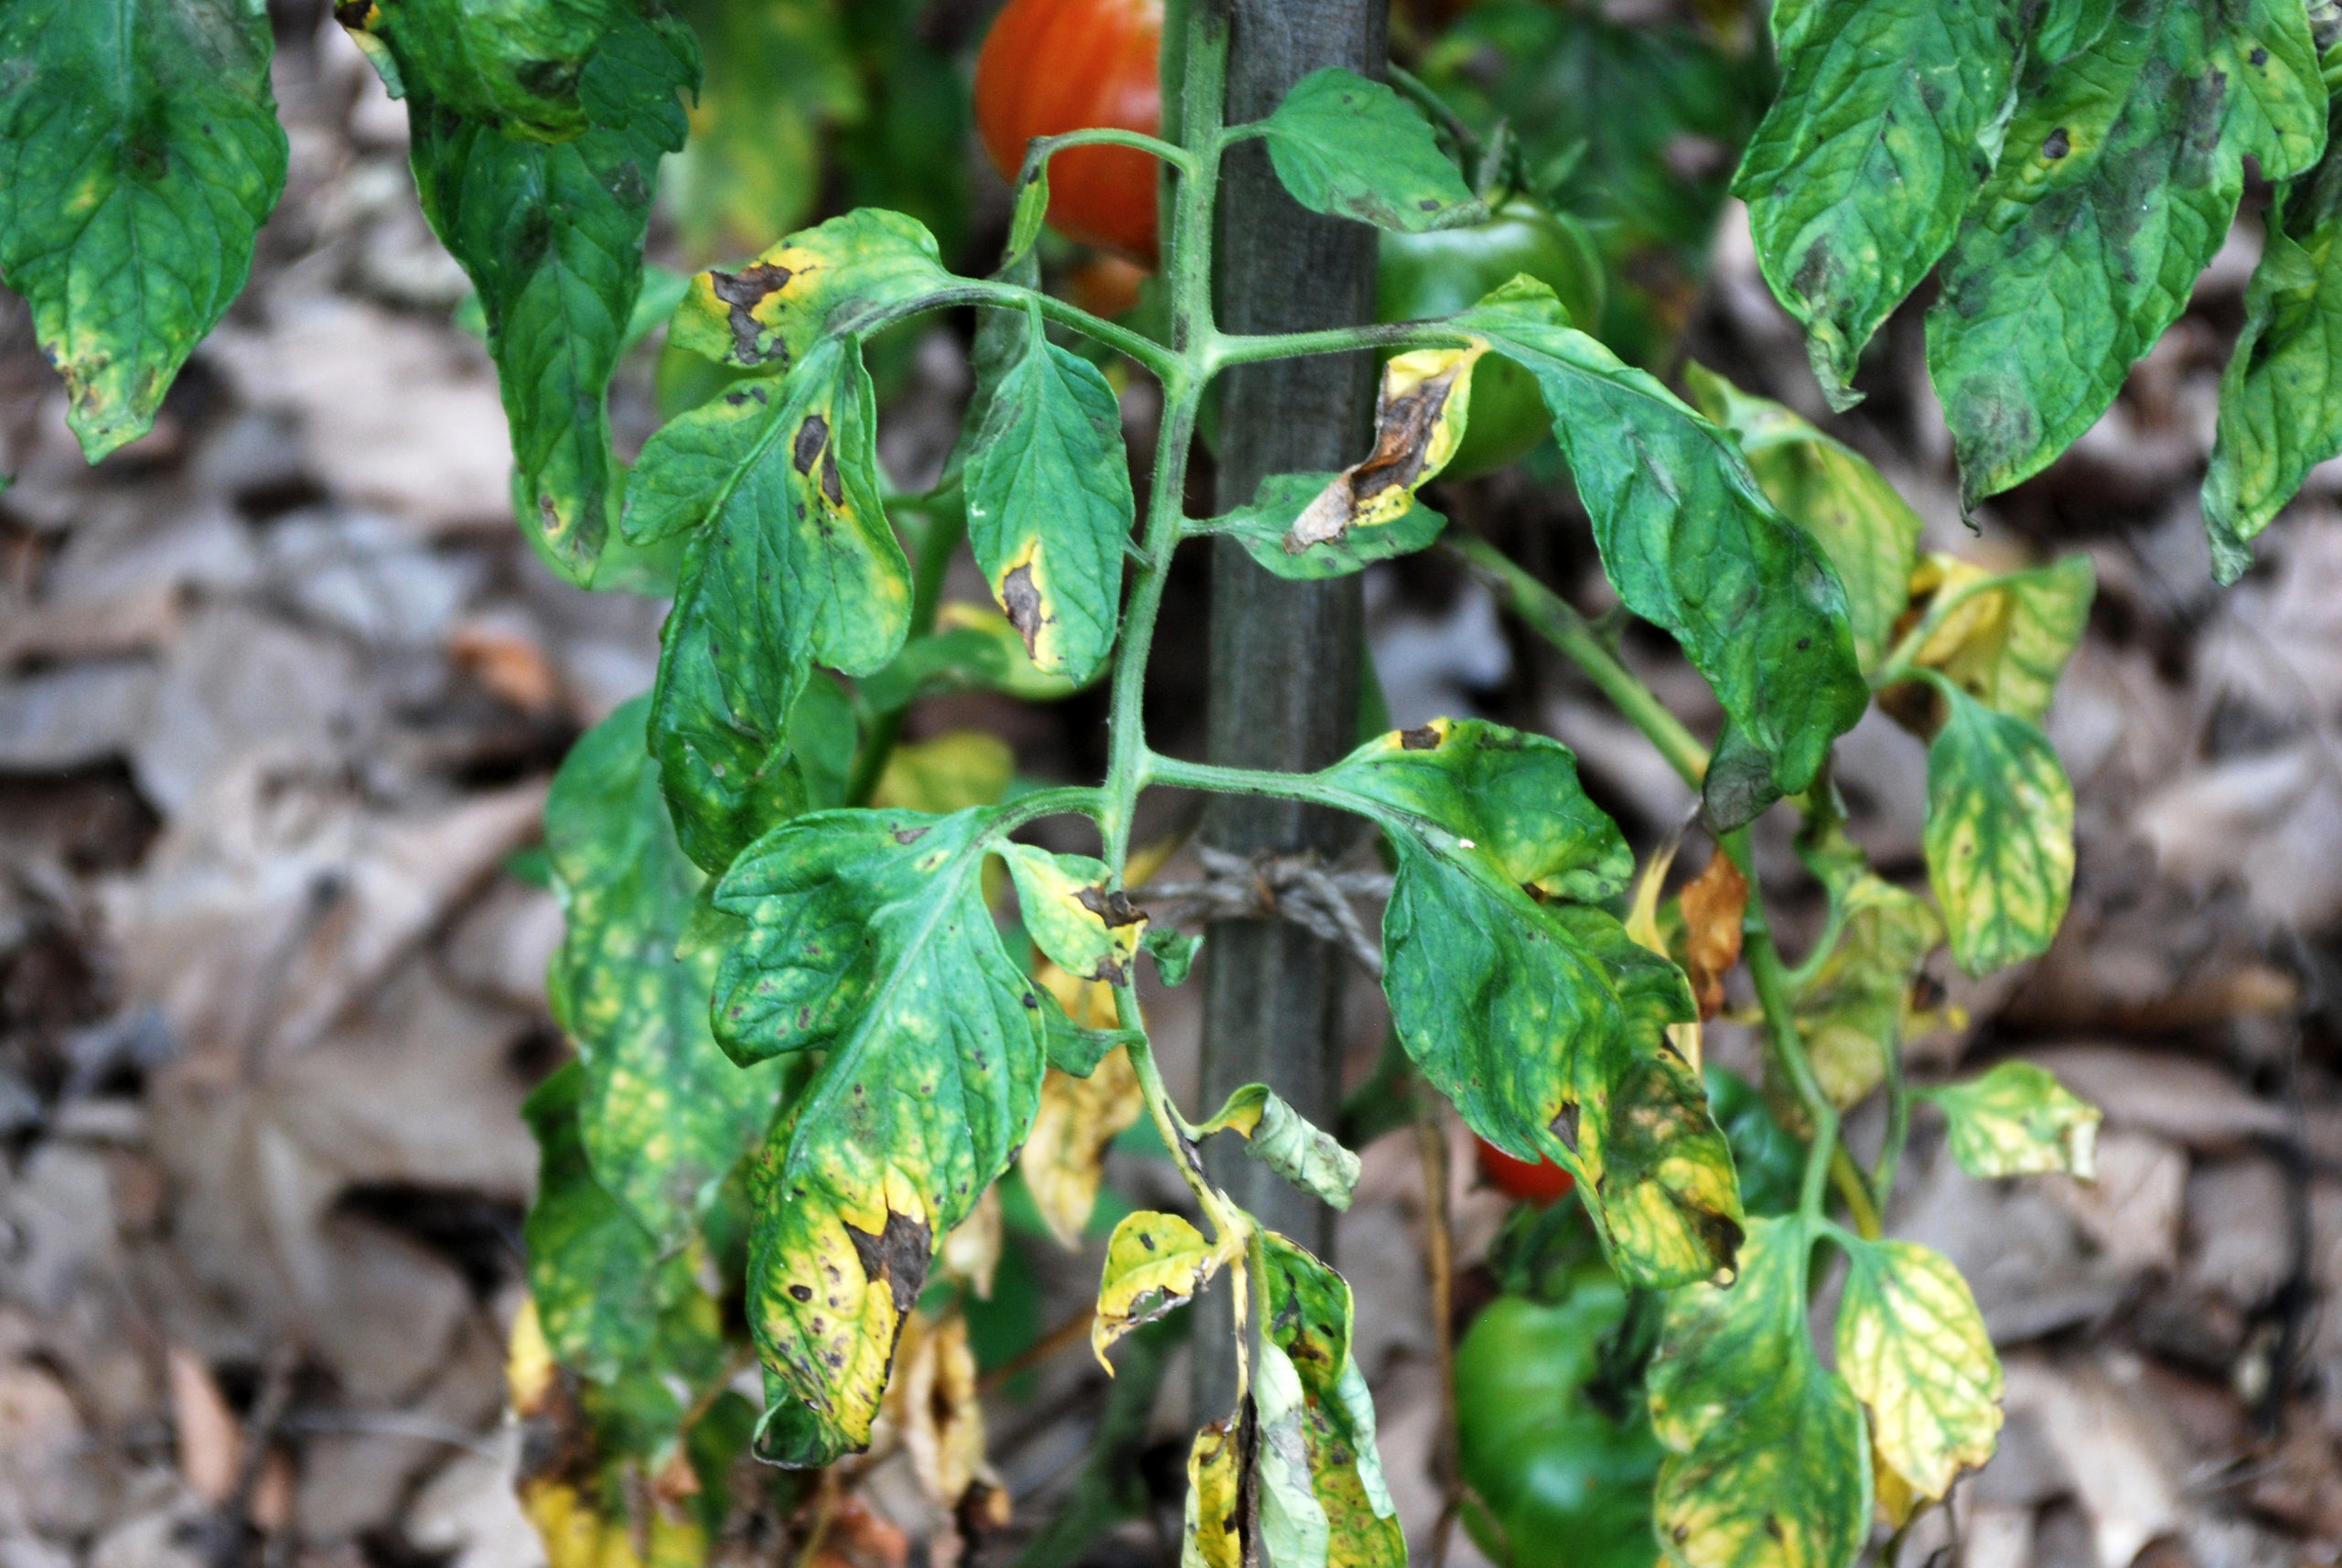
[2117, 181]
[1912, 1346]
[1323, 1500]
[664, 1114]
[932, 1403]
[1853, 1009]
[1288, 1142]
[1768, 1463]
[1353, 148]
[793, 562]
[1063, 1160]
[2018, 1120]
[1216, 1526]
[1531, 1010]
[139, 156]
[1888, 117]
[1829, 489]
[867, 939]
[2000, 834]
[2006, 641]
[1691, 541]
[1154, 1262]
[958, 769]
[818, 282]
[1050, 505]
[1088, 927]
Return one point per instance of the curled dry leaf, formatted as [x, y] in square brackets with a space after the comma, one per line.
[971, 1250]
[932, 1403]
[1418, 421]
[1712, 903]
[1064, 1156]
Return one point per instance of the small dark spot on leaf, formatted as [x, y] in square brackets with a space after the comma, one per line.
[801, 1292]
[908, 835]
[1803, 643]
[2260, 57]
[813, 438]
[1146, 1240]
[2058, 144]
[744, 290]
[1022, 600]
[1425, 738]
[1429, 204]
[1031, 1000]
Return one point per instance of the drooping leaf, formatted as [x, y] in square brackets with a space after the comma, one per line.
[139, 156]
[1344, 146]
[1287, 1142]
[1154, 1262]
[1714, 904]
[1527, 1009]
[1323, 1500]
[2281, 399]
[1912, 1346]
[1174, 952]
[2008, 641]
[1063, 1160]
[1075, 914]
[1049, 506]
[795, 563]
[1216, 1526]
[821, 282]
[1690, 541]
[867, 939]
[2117, 181]
[1888, 117]
[2000, 834]
[1769, 1465]
[1826, 487]
[1307, 526]
[664, 1114]
[2018, 1120]
[550, 230]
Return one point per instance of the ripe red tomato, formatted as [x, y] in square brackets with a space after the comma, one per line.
[1053, 66]
[1539, 1184]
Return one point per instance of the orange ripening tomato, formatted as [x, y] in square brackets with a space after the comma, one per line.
[1053, 66]
[1539, 1184]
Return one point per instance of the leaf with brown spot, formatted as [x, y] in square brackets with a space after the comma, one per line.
[1712, 904]
[1088, 927]
[816, 284]
[1154, 1262]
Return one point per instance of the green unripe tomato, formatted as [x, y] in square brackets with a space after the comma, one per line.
[1447, 270]
[1561, 1484]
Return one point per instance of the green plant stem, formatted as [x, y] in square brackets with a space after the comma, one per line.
[1847, 1178]
[1899, 1129]
[1251, 347]
[947, 524]
[1218, 780]
[1171, 152]
[1413, 88]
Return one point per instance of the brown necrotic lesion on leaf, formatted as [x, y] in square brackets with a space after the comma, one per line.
[1712, 904]
[1418, 421]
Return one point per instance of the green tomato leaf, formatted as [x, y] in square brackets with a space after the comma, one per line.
[2000, 834]
[1075, 914]
[1913, 1346]
[867, 939]
[795, 561]
[2281, 400]
[594, 1271]
[1768, 1463]
[139, 155]
[2119, 177]
[551, 234]
[665, 1113]
[1690, 541]
[1323, 1500]
[818, 282]
[1344, 146]
[976, 650]
[1888, 117]
[1829, 489]
[515, 66]
[2018, 1120]
[1154, 1262]
[2008, 639]
[2064, 28]
[1528, 1008]
[1288, 1142]
[1049, 506]
[1264, 527]
[1174, 952]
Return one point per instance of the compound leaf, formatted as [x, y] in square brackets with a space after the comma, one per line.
[2281, 399]
[1870, 534]
[818, 282]
[1690, 541]
[1049, 506]
[2018, 1120]
[2009, 638]
[2119, 177]
[1913, 1346]
[1088, 927]
[2000, 834]
[665, 1113]
[1769, 1465]
[1526, 1006]
[867, 939]
[1323, 1500]
[1888, 117]
[1344, 146]
[139, 156]
[795, 563]
[1154, 1262]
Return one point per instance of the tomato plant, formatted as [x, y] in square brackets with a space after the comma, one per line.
[1053, 66]
[807, 1050]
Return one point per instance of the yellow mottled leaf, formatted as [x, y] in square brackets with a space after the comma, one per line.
[813, 283]
[2005, 643]
[949, 773]
[1154, 1262]
[1215, 1532]
[2000, 834]
[1064, 1154]
[1913, 1346]
[2018, 1120]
